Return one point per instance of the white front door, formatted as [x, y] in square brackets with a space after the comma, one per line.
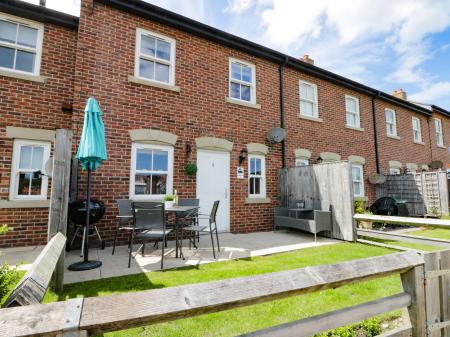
[213, 183]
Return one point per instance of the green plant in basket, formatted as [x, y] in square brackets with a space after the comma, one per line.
[191, 169]
[169, 197]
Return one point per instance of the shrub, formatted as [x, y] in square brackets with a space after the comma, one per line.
[8, 276]
[190, 169]
[169, 197]
[359, 207]
[3, 229]
[371, 327]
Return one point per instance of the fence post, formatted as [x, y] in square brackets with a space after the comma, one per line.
[413, 284]
[59, 200]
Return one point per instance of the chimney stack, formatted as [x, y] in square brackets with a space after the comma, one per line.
[42, 3]
[307, 59]
[399, 93]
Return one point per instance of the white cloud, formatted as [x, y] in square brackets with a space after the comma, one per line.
[67, 6]
[432, 92]
[238, 6]
[194, 9]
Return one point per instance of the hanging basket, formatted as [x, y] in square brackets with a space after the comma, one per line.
[191, 169]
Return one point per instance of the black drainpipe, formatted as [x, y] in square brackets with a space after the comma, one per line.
[375, 135]
[283, 144]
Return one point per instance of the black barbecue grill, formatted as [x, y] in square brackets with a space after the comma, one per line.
[77, 217]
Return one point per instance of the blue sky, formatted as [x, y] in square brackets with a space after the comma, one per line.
[384, 44]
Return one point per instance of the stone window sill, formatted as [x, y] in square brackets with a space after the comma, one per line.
[310, 118]
[393, 137]
[441, 147]
[419, 143]
[356, 128]
[257, 200]
[20, 76]
[137, 80]
[24, 203]
[242, 103]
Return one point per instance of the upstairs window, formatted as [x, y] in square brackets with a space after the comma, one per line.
[358, 180]
[256, 176]
[394, 171]
[20, 45]
[29, 157]
[301, 162]
[151, 171]
[439, 134]
[391, 122]
[308, 100]
[417, 132]
[155, 57]
[242, 81]
[352, 111]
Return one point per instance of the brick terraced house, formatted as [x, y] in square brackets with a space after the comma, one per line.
[175, 91]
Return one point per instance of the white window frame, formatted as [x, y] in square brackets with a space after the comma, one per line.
[301, 162]
[262, 193]
[417, 131]
[15, 46]
[315, 102]
[394, 171]
[171, 63]
[169, 182]
[14, 181]
[252, 85]
[361, 168]
[394, 122]
[356, 113]
[439, 132]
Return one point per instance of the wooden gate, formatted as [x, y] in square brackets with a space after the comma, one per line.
[425, 194]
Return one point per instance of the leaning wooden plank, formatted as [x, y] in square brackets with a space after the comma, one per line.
[432, 292]
[331, 320]
[385, 245]
[404, 331]
[404, 238]
[414, 284]
[102, 314]
[32, 287]
[445, 290]
[398, 220]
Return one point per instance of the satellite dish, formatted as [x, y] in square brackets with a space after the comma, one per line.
[48, 167]
[276, 135]
[377, 178]
[436, 164]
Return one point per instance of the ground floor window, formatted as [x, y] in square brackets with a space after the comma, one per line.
[394, 171]
[29, 157]
[151, 171]
[301, 162]
[256, 176]
[358, 180]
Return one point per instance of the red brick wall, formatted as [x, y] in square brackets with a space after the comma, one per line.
[34, 105]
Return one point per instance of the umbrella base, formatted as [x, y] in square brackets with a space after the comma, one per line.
[85, 265]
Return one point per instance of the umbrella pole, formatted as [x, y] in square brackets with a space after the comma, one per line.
[88, 211]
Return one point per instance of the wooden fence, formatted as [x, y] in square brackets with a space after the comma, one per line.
[426, 193]
[425, 281]
[323, 187]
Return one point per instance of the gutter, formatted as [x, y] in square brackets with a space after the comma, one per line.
[375, 135]
[38, 13]
[158, 14]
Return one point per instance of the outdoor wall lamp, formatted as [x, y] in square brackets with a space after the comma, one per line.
[319, 160]
[242, 155]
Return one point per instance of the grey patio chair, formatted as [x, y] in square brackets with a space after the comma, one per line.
[149, 224]
[125, 219]
[197, 229]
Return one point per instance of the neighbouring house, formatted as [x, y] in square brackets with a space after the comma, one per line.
[175, 91]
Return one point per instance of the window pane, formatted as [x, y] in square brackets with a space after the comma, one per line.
[142, 183]
[24, 184]
[350, 105]
[258, 166]
[160, 160]
[303, 90]
[251, 186]
[38, 158]
[159, 183]
[235, 90]
[356, 173]
[25, 157]
[6, 57]
[163, 50]
[36, 184]
[25, 61]
[252, 166]
[144, 159]
[245, 93]
[8, 31]
[147, 45]
[27, 36]
[247, 74]
[236, 71]
[162, 72]
[307, 108]
[146, 69]
[310, 92]
[351, 119]
[356, 188]
[257, 185]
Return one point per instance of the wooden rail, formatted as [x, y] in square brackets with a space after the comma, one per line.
[399, 220]
[117, 312]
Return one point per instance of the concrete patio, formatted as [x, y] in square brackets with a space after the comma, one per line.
[233, 246]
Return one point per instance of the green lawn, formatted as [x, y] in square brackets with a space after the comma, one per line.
[405, 244]
[437, 233]
[238, 321]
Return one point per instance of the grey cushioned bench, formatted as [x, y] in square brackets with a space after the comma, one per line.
[311, 221]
